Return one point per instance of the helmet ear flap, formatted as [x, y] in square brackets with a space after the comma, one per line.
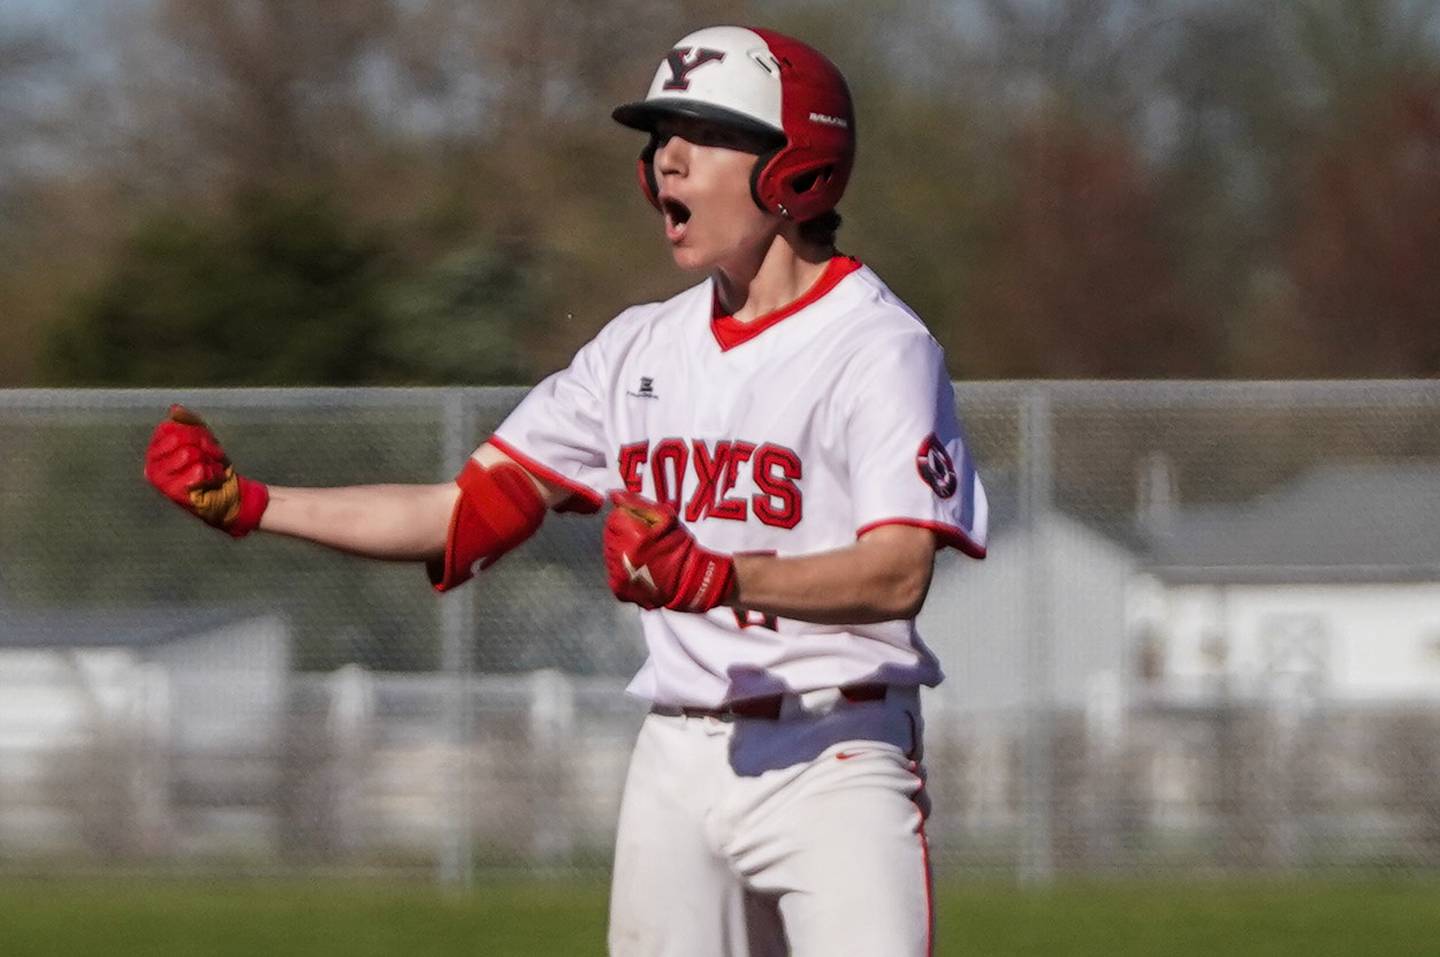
[795, 190]
[645, 171]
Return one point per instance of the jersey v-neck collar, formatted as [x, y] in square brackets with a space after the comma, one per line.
[730, 332]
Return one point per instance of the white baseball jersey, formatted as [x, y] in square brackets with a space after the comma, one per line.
[791, 434]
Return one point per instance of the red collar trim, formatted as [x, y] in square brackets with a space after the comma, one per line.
[730, 333]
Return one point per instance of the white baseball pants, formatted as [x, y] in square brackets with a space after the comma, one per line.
[750, 837]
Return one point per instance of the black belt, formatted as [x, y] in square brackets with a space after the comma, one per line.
[768, 707]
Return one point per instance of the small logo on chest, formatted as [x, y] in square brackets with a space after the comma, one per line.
[647, 389]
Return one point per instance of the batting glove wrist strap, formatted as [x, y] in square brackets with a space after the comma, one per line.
[706, 580]
[252, 498]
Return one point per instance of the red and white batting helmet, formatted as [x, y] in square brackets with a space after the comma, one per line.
[769, 84]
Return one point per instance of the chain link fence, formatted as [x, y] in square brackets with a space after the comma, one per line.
[1207, 637]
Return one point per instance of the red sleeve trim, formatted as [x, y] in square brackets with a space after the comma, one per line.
[589, 500]
[951, 535]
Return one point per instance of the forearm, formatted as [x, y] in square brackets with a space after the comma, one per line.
[394, 522]
[867, 582]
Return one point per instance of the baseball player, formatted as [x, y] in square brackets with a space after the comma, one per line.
[780, 448]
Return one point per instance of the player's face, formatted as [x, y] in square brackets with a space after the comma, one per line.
[703, 172]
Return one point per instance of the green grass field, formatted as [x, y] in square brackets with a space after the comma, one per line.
[68, 918]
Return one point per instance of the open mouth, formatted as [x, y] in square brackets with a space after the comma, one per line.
[677, 215]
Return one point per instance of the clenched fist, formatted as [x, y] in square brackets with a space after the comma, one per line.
[188, 466]
[654, 561]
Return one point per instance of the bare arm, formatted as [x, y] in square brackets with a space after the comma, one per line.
[883, 576]
[394, 522]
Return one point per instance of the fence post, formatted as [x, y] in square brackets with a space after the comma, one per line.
[1037, 864]
[456, 865]
[350, 728]
[552, 733]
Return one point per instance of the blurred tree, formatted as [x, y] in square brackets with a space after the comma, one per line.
[1365, 247]
[1076, 277]
[460, 322]
[476, 133]
[1360, 247]
[286, 290]
[1350, 50]
[28, 62]
[1075, 271]
[33, 68]
[274, 87]
[283, 291]
[1224, 118]
[1100, 57]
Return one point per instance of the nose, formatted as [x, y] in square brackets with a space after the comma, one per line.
[672, 156]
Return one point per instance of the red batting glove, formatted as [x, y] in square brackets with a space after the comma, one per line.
[188, 466]
[654, 561]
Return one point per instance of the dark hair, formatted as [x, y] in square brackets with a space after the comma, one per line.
[822, 229]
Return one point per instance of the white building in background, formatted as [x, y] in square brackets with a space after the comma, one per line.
[1328, 588]
[1065, 577]
[1325, 590]
[115, 726]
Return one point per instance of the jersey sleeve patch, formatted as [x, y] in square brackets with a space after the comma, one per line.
[936, 467]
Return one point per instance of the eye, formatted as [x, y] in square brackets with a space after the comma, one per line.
[731, 139]
[709, 136]
[713, 135]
